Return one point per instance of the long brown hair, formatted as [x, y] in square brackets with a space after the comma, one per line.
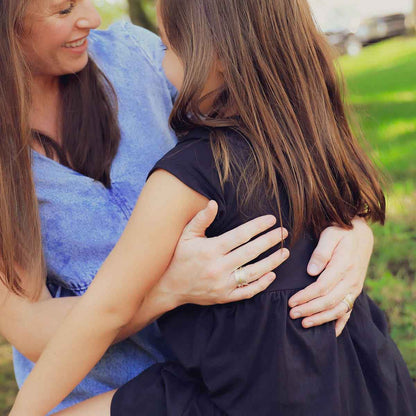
[90, 140]
[280, 81]
[20, 236]
[90, 130]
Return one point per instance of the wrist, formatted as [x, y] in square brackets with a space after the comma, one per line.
[163, 298]
[366, 234]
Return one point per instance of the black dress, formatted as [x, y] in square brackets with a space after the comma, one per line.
[250, 358]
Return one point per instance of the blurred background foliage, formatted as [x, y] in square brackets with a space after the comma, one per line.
[382, 91]
[381, 84]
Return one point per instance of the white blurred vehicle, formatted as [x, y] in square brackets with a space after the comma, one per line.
[369, 31]
[352, 24]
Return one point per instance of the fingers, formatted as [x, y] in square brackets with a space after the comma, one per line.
[201, 221]
[253, 249]
[341, 322]
[323, 302]
[323, 252]
[327, 316]
[244, 233]
[330, 277]
[253, 272]
[247, 292]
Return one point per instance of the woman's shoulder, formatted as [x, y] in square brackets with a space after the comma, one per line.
[126, 40]
[130, 54]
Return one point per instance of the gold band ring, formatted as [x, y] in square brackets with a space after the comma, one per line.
[240, 277]
[349, 302]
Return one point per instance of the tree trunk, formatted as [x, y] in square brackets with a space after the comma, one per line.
[138, 15]
[414, 16]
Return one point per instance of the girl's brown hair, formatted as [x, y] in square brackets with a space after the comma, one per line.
[89, 145]
[281, 85]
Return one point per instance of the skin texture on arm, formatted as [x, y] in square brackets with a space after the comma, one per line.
[147, 245]
[29, 326]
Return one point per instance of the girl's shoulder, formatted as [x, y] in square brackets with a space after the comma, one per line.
[193, 162]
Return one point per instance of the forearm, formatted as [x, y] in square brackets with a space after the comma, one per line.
[155, 304]
[29, 326]
[85, 346]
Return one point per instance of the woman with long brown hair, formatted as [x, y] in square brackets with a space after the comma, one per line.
[58, 110]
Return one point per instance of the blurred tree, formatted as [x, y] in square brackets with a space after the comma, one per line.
[110, 12]
[414, 16]
[140, 13]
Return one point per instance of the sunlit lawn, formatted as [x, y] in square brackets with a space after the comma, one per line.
[382, 84]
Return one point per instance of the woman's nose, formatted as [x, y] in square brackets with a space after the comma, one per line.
[89, 18]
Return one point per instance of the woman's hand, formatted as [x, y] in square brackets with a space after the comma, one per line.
[342, 258]
[202, 269]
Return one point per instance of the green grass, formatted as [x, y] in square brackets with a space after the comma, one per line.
[382, 89]
[8, 387]
[382, 85]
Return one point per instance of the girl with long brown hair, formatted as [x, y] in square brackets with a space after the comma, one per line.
[167, 204]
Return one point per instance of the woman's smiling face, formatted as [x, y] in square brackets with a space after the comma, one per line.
[55, 41]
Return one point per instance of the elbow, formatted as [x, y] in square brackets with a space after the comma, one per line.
[32, 356]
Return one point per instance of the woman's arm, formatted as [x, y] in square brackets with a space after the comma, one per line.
[29, 326]
[140, 257]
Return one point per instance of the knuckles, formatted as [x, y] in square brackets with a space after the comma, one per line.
[321, 257]
[322, 290]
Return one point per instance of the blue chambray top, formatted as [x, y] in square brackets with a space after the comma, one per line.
[82, 220]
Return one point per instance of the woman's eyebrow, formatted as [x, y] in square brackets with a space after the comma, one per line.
[58, 4]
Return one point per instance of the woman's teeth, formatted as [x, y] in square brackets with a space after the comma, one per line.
[75, 44]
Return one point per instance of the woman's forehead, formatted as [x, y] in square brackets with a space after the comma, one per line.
[48, 4]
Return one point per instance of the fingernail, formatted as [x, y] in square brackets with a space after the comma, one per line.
[307, 323]
[296, 315]
[285, 253]
[313, 268]
[292, 303]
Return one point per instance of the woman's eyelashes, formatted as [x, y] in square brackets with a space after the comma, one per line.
[68, 10]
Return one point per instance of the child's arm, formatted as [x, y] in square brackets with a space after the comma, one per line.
[140, 257]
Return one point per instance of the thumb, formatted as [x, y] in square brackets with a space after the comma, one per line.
[325, 250]
[201, 221]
